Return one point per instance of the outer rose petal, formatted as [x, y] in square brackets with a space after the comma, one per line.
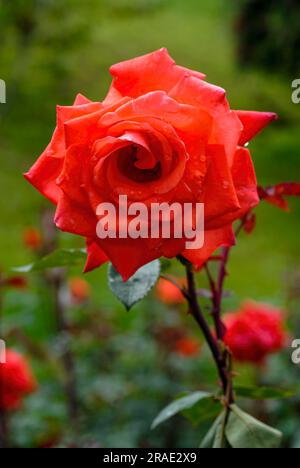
[220, 197]
[73, 218]
[128, 255]
[44, 172]
[151, 72]
[213, 240]
[245, 181]
[74, 213]
[245, 186]
[96, 256]
[47, 168]
[253, 123]
[81, 99]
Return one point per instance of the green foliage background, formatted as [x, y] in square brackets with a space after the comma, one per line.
[51, 50]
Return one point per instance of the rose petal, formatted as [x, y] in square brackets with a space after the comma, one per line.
[141, 75]
[96, 257]
[47, 168]
[220, 197]
[227, 127]
[213, 240]
[253, 123]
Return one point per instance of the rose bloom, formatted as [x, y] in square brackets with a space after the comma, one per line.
[16, 381]
[32, 238]
[187, 347]
[254, 332]
[168, 293]
[17, 282]
[80, 289]
[162, 134]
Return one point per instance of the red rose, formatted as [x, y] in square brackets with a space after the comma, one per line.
[168, 292]
[187, 347]
[16, 381]
[254, 332]
[32, 238]
[80, 289]
[18, 282]
[161, 134]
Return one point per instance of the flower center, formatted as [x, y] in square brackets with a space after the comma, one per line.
[135, 164]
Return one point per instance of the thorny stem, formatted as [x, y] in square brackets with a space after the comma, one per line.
[224, 362]
[217, 288]
[220, 357]
[220, 352]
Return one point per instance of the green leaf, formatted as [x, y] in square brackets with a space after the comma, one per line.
[137, 287]
[204, 410]
[244, 431]
[179, 405]
[212, 438]
[263, 393]
[165, 264]
[57, 259]
[220, 439]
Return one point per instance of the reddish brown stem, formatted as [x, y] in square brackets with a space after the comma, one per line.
[219, 357]
[57, 279]
[4, 431]
[67, 355]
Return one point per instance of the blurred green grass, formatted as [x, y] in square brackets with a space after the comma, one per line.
[70, 50]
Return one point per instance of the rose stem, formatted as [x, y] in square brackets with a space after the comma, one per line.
[56, 278]
[4, 431]
[219, 357]
[217, 289]
[67, 356]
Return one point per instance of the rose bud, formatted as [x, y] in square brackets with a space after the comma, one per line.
[254, 332]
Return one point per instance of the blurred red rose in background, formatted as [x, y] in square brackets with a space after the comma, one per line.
[17, 282]
[32, 238]
[255, 331]
[168, 292]
[16, 381]
[187, 346]
[162, 135]
[80, 289]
